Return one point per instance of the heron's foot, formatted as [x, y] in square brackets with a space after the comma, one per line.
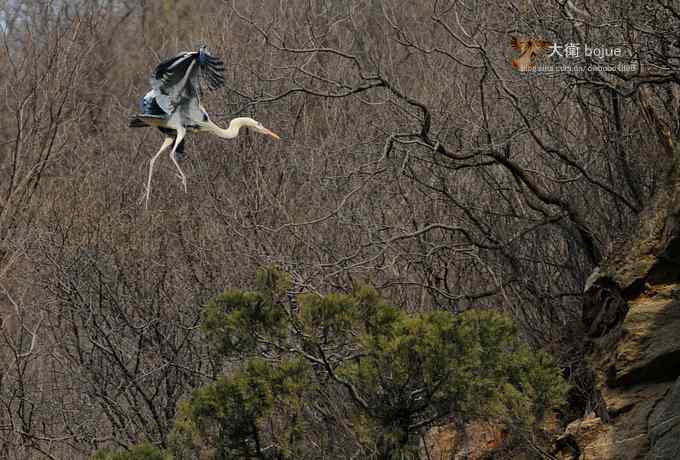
[184, 182]
[144, 198]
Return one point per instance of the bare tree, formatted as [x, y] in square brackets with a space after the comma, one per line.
[415, 157]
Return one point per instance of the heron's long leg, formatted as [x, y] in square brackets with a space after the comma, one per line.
[166, 143]
[180, 135]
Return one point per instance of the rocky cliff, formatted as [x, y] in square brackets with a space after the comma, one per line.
[631, 313]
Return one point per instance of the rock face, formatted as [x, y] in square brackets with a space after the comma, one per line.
[631, 313]
[664, 433]
[446, 443]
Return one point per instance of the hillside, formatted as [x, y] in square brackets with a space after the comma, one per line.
[508, 161]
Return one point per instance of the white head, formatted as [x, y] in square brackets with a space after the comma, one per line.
[253, 125]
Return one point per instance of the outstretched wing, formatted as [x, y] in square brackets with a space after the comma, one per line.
[179, 78]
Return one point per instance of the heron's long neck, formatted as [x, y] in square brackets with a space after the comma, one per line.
[229, 133]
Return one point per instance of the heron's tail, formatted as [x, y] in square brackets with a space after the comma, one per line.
[136, 122]
[141, 121]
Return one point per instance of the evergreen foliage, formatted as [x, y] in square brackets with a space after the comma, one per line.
[341, 370]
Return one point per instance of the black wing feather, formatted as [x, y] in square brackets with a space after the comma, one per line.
[213, 70]
[171, 71]
[179, 78]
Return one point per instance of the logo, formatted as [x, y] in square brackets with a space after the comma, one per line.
[572, 57]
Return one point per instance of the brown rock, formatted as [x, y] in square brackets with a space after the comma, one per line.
[481, 438]
[625, 438]
[650, 349]
[664, 427]
[587, 438]
[631, 314]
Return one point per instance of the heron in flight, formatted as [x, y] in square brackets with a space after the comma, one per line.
[173, 105]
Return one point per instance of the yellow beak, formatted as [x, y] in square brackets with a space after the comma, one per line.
[271, 133]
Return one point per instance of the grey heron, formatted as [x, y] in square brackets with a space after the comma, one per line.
[173, 105]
